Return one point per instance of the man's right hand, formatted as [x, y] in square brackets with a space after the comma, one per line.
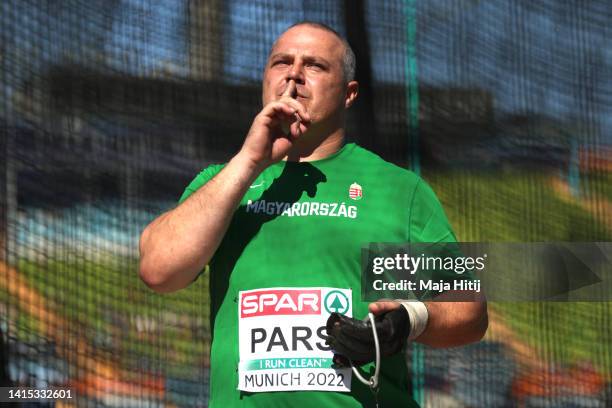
[275, 129]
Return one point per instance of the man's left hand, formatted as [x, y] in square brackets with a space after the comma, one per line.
[353, 339]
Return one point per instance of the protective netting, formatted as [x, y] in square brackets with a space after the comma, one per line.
[108, 109]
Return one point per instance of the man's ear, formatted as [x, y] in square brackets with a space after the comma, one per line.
[352, 90]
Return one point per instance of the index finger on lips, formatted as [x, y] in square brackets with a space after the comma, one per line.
[288, 97]
[290, 89]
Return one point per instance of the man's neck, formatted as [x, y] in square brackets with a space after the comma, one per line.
[317, 150]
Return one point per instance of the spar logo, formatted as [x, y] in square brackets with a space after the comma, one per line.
[336, 301]
[268, 302]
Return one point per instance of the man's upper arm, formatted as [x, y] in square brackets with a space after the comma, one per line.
[429, 224]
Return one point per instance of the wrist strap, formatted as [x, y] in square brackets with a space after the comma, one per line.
[417, 311]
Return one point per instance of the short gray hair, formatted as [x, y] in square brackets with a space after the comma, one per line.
[349, 62]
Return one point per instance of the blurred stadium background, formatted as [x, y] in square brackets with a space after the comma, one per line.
[108, 109]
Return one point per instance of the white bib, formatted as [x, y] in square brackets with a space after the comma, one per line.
[281, 339]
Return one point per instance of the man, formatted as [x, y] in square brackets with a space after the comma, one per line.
[281, 226]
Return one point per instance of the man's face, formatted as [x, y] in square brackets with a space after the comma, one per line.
[312, 57]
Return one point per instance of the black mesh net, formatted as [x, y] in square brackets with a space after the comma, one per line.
[108, 109]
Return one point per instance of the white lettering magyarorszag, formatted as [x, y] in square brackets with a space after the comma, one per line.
[304, 209]
[281, 339]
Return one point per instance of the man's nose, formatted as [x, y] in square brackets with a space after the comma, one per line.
[296, 73]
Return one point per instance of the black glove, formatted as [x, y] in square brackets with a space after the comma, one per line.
[353, 339]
